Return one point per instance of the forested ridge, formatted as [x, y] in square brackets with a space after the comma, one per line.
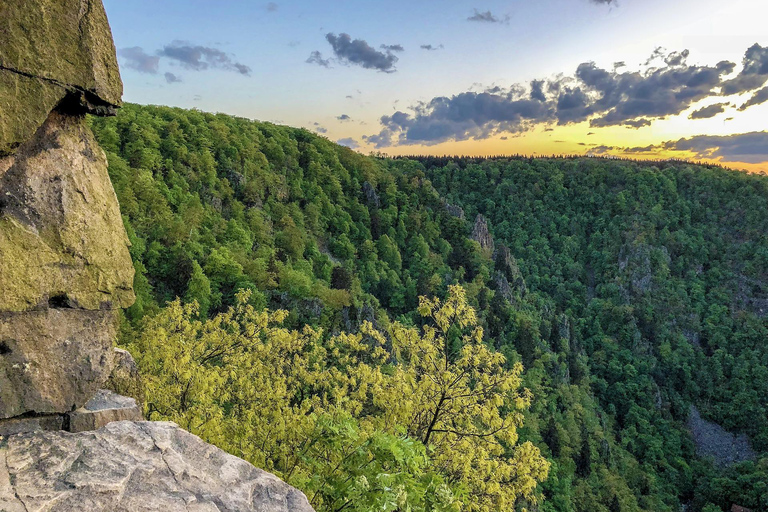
[344, 321]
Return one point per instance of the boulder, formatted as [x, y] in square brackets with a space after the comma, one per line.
[53, 52]
[103, 408]
[62, 239]
[53, 360]
[134, 467]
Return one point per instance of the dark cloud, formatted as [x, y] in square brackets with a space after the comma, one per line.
[392, 47]
[754, 73]
[487, 17]
[431, 48]
[172, 79]
[641, 149]
[200, 58]
[667, 86]
[744, 147]
[758, 98]
[349, 142]
[709, 111]
[271, 7]
[344, 117]
[360, 53]
[136, 58]
[600, 150]
[317, 58]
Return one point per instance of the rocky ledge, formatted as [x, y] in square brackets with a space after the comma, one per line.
[133, 467]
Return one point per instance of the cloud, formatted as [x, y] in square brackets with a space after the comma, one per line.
[487, 17]
[744, 147]
[709, 111]
[667, 85]
[349, 142]
[271, 7]
[392, 47]
[431, 48]
[172, 79]
[135, 58]
[357, 52]
[344, 117]
[754, 73]
[200, 58]
[758, 98]
[317, 58]
[604, 2]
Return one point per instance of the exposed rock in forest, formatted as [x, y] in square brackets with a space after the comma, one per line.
[133, 467]
[455, 211]
[370, 195]
[714, 441]
[481, 234]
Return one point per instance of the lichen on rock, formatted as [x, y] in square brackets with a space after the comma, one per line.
[61, 232]
[52, 51]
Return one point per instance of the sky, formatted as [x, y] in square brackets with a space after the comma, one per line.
[628, 78]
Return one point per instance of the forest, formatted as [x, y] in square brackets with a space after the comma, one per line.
[444, 334]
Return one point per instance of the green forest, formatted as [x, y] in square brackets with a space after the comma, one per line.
[446, 334]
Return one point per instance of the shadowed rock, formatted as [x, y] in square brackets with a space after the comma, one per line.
[54, 360]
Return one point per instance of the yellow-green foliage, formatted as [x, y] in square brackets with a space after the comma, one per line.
[404, 420]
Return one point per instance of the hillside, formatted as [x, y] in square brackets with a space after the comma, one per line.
[628, 293]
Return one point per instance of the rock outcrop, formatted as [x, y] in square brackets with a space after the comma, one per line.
[481, 234]
[134, 467]
[65, 269]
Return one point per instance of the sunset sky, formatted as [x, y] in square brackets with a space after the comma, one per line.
[636, 78]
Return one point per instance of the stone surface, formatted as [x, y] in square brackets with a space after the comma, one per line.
[13, 426]
[53, 360]
[134, 467]
[52, 50]
[103, 408]
[125, 378]
[62, 238]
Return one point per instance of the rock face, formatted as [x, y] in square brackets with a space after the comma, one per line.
[133, 467]
[53, 360]
[481, 234]
[64, 262]
[53, 52]
[61, 233]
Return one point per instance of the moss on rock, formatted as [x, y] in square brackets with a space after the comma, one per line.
[52, 50]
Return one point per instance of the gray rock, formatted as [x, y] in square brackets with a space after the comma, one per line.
[125, 378]
[13, 426]
[53, 360]
[714, 441]
[134, 467]
[104, 408]
[481, 234]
